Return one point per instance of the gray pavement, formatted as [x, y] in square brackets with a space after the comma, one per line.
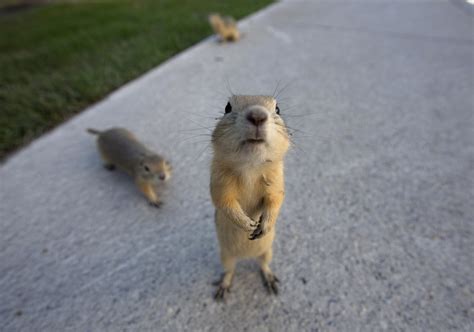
[376, 232]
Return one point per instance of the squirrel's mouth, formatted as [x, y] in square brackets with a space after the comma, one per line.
[254, 141]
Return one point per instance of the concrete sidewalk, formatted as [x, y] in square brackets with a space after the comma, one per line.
[376, 232]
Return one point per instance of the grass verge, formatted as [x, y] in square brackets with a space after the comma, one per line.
[56, 59]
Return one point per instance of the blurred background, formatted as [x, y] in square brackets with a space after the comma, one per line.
[57, 57]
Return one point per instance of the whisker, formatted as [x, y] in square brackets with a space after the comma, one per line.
[228, 86]
[199, 135]
[201, 152]
[221, 93]
[203, 116]
[281, 101]
[276, 88]
[338, 140]
[284, 88]
[302, 115]
[192, 138]
[190, 129]
[201, 142]
[200, 125]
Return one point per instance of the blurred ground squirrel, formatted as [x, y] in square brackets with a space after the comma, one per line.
[247, 183]
[118, 147]
[225, 27]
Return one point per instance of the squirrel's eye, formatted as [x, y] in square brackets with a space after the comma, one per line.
[228, 108]
[147, 168]
[277, 109]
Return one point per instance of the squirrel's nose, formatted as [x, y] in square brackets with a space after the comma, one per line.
[162, 176]
[257, 117]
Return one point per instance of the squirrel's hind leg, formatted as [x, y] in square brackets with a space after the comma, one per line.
[228, 263]
[269, 279]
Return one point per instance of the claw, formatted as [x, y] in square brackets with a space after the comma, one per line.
[156, 204]
[270, 283]
[252, 227]
[254, 236]
[109, 167]
[254, 224]
[258, 233]
[274, 288]
[221, 293]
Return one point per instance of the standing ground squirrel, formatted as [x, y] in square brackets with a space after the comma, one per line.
[247, 183]
[225, 27]
[118, 147]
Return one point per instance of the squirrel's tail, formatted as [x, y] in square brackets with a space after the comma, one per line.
[216, 21]
[93, 131]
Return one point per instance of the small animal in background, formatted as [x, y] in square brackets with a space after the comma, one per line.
[118, 147]
[225, 27]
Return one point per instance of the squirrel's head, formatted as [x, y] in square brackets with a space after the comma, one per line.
[216, 21]
[251, 131]
[154, 168]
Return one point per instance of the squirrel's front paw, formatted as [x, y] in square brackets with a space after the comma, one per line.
[257, 233]
[252, 225]
[260, 231]
[156, 204]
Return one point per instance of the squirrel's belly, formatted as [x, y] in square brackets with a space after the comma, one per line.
[235, 241]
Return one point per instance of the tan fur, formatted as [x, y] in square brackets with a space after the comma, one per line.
[118, 147]
[247, 184]
[225, 27]
[147, 189]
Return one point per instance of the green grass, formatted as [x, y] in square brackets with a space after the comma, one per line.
[56, 59]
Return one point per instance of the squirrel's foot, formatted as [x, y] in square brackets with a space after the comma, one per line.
[231, 39]
[222, 292]
[156, 204]
[270, 282]
[223, 287]
[109, 167]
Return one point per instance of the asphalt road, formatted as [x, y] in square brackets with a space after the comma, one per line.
[376, 232]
